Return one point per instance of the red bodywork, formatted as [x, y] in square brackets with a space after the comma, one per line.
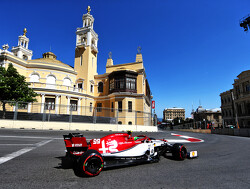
[77, 145]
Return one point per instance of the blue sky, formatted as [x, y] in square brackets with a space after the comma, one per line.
[192, 50]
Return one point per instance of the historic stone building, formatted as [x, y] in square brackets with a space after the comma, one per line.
[227, 108]
[235, 103]
[62, 89]
[207, 118]
[172, 113]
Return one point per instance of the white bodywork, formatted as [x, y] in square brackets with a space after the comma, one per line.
[138, 150]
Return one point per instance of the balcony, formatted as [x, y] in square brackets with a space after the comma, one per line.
[55, 87]
[94, 48]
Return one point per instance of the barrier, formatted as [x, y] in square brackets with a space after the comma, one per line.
[245, 132]
[20, 124]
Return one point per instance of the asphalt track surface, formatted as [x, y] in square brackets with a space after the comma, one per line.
[31, 159]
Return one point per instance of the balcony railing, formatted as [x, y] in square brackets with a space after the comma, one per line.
[81, 44]
[56, 87]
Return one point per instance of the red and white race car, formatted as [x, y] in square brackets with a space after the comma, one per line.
[89, 158]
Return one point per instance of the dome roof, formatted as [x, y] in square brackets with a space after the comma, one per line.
[49, 58]
[200, 109]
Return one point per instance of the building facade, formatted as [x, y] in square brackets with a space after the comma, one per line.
[227, 108]
[79, 90]
[235, 103]
[172, 113]
[207, 118]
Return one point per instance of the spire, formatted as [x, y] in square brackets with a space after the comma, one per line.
[88, 9]
[24, 32]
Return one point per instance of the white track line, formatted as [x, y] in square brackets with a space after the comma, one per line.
[22, 151]
[4, 136]
[16, 144]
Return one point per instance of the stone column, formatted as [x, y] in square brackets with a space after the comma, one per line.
[88, 38]
[87, 22]
[43, 101]
[29, 107]
[68, 105]
[57, 104]
[79, 106]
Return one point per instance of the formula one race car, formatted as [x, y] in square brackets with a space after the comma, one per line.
[89, 158]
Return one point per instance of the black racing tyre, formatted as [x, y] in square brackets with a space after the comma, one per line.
[90, 163]
[179, 151]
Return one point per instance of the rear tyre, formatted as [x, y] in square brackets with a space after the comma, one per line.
[179, 151]
[90, 163]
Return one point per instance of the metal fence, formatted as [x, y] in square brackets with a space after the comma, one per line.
[73, 113]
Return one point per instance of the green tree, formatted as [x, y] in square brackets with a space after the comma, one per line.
[14, 88]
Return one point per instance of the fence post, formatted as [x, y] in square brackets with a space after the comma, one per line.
[117, 115]
[70, 113]
[16, 111]
[94, 118]
[135, 117]
[44, 112]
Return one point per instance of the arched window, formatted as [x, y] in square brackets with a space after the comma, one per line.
[100, 87]
[130, 123]
[119, 122]
[67, 81]
[34, 77]
[51, 81]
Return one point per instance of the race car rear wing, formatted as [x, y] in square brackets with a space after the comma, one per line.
[75, 143]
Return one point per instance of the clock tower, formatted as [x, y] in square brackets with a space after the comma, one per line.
[86, 53]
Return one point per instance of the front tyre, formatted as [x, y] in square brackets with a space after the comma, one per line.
[179, 151]
[90, 163]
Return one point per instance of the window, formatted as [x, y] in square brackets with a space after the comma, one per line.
[112, 106]
[100, 87]
[91, 88]
[130, 123]
[49, 104]
[247, 87]
[67, 82]
[130, 83]
[120, 106]
[79, 85]
[99, 107]
[111, 84]
[119, 83]
[90, 107]
[130, 106]
[81, 60]
[34, 78]
[122, 81]
[119, 122]
[51, 81]
[73, 105]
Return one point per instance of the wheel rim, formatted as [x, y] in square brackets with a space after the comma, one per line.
[183, 152]
[93, 165]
